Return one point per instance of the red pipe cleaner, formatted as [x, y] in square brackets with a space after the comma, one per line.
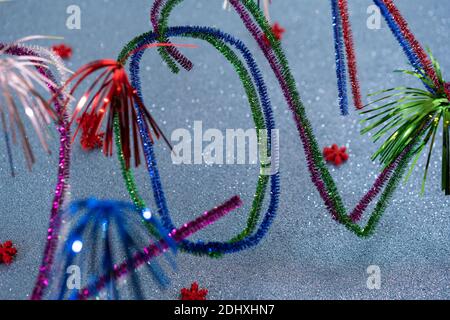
[351, 56]
[416, 46]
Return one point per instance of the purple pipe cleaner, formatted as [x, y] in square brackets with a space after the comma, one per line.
[174, 52]
[62, 179]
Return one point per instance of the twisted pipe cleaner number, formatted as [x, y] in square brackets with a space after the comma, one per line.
[320, 175]
[243, 240]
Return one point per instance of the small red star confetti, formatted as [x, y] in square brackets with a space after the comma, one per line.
[90, 139]
[277, 31]
[193, 293]
[7, 252]
[336, 155]
[62, 50]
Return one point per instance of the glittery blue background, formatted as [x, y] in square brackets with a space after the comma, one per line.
[306, 254]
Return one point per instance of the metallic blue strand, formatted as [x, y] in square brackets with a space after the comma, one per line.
[90, 219]
[340, 58]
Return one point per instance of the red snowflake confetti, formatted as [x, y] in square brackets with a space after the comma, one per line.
[90, 138]
[277, 31]
[62, 50]
[193, 293]
[7, 252]
[336, 155]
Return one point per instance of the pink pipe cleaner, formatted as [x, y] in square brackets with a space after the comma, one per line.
[62, 178]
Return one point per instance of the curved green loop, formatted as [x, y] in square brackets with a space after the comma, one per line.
[258, 118]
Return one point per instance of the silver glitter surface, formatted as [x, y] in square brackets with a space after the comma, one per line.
[306, 254]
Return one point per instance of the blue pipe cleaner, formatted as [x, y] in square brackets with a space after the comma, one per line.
[340, 58]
